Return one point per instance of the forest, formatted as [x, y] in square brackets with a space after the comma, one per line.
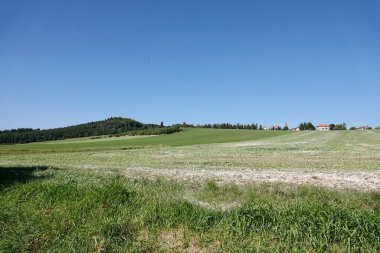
[110, 126]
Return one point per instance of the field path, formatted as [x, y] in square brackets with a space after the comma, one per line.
[360, 180]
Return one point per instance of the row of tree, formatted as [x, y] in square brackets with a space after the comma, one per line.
[309, 126]
[110, 126]
[156, 131]
[253, 126]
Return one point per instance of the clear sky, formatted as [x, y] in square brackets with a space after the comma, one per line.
[68, 62]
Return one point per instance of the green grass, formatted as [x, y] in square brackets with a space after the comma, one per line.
[54, 210]
[338, 150]
[74, 196]
[190, 136]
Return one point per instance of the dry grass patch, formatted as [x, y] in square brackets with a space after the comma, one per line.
[180, 240]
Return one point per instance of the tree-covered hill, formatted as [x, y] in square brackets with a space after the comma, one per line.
[115, 125]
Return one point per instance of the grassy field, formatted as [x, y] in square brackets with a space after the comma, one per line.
[186, 137]
[343, 150]
[85, 195]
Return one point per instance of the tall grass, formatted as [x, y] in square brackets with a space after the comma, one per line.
[55, 210]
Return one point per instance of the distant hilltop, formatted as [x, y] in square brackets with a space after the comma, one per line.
[110, 126]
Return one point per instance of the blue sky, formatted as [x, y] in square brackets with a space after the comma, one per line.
[69, 62]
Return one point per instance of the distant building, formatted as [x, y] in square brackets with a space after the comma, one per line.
[363, 128]
[323, 127]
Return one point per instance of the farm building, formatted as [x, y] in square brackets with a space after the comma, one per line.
[363, 128]
[323, 127]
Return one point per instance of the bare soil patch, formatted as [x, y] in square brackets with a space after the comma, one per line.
[359, 180]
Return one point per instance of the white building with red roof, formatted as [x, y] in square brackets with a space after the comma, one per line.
[323, 127]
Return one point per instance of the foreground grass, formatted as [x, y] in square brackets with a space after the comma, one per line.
[62, 210]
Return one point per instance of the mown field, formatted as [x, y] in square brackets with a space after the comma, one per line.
[186, 137]
[108, 195]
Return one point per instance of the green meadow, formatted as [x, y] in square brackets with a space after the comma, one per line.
[84, 195]
[186, 137]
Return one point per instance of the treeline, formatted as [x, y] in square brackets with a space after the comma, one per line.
[253, 126]
[338, 126]
[110, 126]
[156, 131]
[309, 126]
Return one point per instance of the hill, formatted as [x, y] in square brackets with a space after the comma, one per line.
[110, 126]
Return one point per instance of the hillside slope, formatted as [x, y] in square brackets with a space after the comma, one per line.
[115, 125]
